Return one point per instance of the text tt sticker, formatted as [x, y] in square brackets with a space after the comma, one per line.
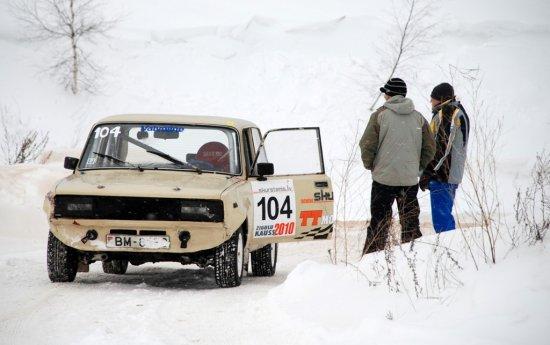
[274, 208]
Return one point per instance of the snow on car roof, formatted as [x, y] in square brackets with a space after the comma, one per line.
[179, 119]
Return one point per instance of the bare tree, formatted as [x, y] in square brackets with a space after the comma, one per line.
[482, 192]
[350, 185]
[532, 206]
[344, 172]
[72, 23]
[410, 30]
[16, 144]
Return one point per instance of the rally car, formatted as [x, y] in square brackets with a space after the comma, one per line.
[202, 190]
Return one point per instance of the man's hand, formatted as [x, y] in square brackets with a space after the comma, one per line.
[424, 182]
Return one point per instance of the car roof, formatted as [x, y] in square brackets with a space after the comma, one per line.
[179, 119]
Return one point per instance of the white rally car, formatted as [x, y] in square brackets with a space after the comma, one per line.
[192, 189]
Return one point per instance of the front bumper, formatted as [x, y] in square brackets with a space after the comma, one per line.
[203, 235]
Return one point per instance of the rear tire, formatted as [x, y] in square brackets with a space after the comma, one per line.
[264, 260]
[115, 266]
[62, 261]
[228, 261]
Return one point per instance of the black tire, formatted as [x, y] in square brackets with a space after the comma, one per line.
[115, 266]
[62, 261]
[264, 260]
[228, 270]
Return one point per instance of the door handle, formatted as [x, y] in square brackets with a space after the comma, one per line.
[321, 184]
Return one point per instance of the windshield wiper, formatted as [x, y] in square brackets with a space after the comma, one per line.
[118, 160]
[164, 155]
[175, 160]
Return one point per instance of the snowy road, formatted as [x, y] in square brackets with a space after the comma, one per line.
[163, 303]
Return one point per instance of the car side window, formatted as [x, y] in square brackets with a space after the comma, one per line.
[295, 151]
[254, 139]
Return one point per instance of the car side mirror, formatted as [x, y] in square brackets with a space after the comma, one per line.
[265, 169]
[70, 163]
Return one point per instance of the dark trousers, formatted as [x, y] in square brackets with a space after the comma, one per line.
[382, 199]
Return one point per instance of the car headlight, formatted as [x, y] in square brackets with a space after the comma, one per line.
[79, 207]
[70, 206]
[202, 210]
[195, 210]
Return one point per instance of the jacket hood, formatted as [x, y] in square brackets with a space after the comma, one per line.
[400, 105]
[161, 184]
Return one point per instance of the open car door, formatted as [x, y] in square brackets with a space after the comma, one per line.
[296, 201]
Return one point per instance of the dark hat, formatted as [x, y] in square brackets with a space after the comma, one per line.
[443, 92]
[394, 86]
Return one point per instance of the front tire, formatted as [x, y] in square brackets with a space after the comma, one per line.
[115, 266]
[228, 261]
[264, 260]
[62, 261]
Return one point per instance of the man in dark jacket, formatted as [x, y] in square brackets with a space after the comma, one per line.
[451, 128]
[396, 146]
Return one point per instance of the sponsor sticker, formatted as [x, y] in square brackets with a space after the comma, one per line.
[161, 128]
[315, 217]
[274, 208]
[320, 196]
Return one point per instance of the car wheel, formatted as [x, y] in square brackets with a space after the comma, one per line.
[62, 261]
[264, 260]
[228, 261]
[115, 266]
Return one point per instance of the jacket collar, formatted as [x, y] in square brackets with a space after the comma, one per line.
[438, 107]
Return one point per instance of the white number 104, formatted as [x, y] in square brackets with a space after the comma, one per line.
[102, 132]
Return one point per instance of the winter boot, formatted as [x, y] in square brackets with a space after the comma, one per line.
[373, 242]
[407, 236]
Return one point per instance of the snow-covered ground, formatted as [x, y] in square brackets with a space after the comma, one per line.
[151, 304]
[299, 63]
[308, 301]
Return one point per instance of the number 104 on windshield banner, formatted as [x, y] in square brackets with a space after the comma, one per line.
[274, 208]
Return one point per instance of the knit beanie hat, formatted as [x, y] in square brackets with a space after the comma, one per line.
[443, 92]
[394, 86]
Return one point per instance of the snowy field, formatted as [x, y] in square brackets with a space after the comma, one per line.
[279, 65]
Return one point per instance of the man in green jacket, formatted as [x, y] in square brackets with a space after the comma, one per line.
[396, 146]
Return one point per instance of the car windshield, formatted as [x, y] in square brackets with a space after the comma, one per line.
[162, 146]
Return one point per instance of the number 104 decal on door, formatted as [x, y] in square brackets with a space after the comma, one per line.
[274, 208]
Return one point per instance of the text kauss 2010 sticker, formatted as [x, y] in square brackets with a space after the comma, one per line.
[274, 208]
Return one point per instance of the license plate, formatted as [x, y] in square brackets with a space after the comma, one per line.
[138, 242]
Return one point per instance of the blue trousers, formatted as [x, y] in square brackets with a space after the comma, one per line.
[442, 196]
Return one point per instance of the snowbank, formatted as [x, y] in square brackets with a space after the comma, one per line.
[22, 189]
[506, 303]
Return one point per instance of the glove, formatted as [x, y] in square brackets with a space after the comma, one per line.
[424, 182]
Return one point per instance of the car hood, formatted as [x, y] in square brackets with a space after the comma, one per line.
[149, 183]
